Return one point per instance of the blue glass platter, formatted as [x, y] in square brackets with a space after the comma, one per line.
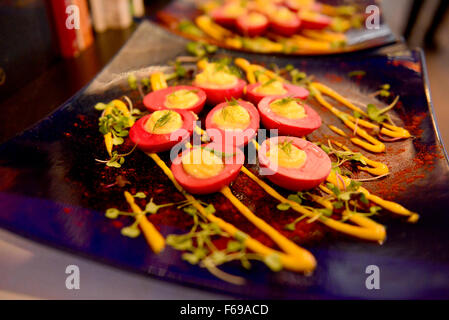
[49, 188]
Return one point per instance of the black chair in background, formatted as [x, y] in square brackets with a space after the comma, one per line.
[429, 38]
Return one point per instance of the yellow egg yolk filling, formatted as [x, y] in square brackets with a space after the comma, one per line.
[255, 19]
[287, 155]
[288, 108]
[283, 15]
[163, 122]
[232, 117]
[181, 99]
[202, 164]
[215, 76]
[309, 15]
[264, 6]
[234, 10]
[271, 88]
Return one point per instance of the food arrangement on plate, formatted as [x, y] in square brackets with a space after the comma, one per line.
[268, 26]
[222, 127]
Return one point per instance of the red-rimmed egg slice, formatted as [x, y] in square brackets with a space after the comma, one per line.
[177, 97]
[207, 169]
[257, 91]
[314, 20]
[297, 5]
[233, 123]
[284, 22]
[219, 83]
[252, 24]
[162, 129]
[289, 115]
[227, 14]
[293, 163]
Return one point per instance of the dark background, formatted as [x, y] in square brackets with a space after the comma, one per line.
[36, 80]
[44, 81]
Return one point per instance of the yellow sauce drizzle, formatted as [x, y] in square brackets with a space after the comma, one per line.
[152, 235]
[157, 80]
[390, 130]
[285, 244]
[389, 205]
[303, 261]
[212, 29]
[372, 145]
[263, 74]
[376, 168]
[120, 105]
[367, 229]
[324, 35]
[337, 131]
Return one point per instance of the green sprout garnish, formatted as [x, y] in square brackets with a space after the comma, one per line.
[268, 82]
[162, 121]
[342, 156]
[189, 27]
[132, 81]
[200, 49]
[284, 101]
[356, 73]
[379, 115]
[117, 159]
[286, 146]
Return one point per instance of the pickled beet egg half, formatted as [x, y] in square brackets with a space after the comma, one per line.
[207, 169]
[252, 24]
[284, 22]
[293, 163]
[233, 123]
[162, 130]
[257, 91]
[289, 115]
[219, 83]
[314, 20]
[186, 98]
[227, 14]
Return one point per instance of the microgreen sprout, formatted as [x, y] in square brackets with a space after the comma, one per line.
[356, 73]
[200, 49]
[117, 159]
[162, 121]
[199, 249]
[269, 82]
[132, 81]
[115, 121]
[379, 115]
[342, 156]
[189, 27]
[286, 146]
[284, 101]
[224, 65]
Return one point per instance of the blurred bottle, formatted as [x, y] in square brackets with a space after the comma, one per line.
[72, 26]
[115, 14]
